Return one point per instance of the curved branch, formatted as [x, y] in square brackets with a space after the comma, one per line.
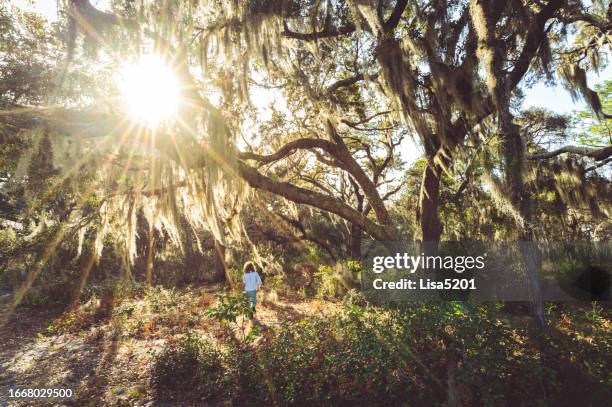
[326, 33]
[599, 165]
[345, 161]
[597, 154]
[533, 41]
[342, 83]
[288, 149]
[352, 167]
[303, 196]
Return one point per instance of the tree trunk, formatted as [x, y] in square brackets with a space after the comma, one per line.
[531, 260]
[86, 271]
[431, 228]
[220, 266]
[150, 256]
[513, 155]
[355, 244]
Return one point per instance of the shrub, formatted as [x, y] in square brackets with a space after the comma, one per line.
[277, 284]
[354, 297]
[230, 307]
[191, 367]
[416, 354]
[244, 375]
[333, 282]
[336, 361]
[234, 276]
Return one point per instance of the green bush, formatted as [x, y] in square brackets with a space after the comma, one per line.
[244, 375]
[277, 283]
[333, 282]
[231, 306]
[411, 354]
[191, 367]
[354, 297]
[340, 361]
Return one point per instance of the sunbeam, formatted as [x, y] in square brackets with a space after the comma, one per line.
[150, 90]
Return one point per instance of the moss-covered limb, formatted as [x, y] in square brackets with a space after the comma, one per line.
[288, 149]
[330, 31]
[342, 157]
[598, 154]
[300, 195]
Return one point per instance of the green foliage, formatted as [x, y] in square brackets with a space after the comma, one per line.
[244, 375]
[592, 131]
[327, 283]
[354, 266]
[191, 366]
[579, 347]
[595, 314]
[403, 355]
[276, 283]
[353, 298]
[369, 356]
[8, 239]
[234, 308]
[234, 276]
[333, 282]
[161, 299]
[336, 361]
[230, 307]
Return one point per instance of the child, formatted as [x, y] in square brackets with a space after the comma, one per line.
[252, 282]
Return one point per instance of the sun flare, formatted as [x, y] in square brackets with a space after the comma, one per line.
[150, 90]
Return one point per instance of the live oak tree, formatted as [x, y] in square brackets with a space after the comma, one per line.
[357, 77]
[425, 56]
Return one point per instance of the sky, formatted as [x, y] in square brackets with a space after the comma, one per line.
[555, 98]
[48, 8]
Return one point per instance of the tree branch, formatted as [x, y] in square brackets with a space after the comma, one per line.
[597, 154]
[599, 165]
[306, 235]
[395, 16]
[288, 149]
[316, 199]
[329, 31]
[326, 33]
[342, 83]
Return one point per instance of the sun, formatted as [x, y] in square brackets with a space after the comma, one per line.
[150, 90]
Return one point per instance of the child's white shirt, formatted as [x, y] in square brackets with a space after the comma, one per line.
[251, 281]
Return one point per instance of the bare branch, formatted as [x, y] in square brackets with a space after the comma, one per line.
[599, 165]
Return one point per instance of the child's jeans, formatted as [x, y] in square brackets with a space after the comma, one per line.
[252, 298]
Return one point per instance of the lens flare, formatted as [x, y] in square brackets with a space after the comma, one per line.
[150, 90]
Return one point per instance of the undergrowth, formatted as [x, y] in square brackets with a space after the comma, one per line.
[417, 354]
